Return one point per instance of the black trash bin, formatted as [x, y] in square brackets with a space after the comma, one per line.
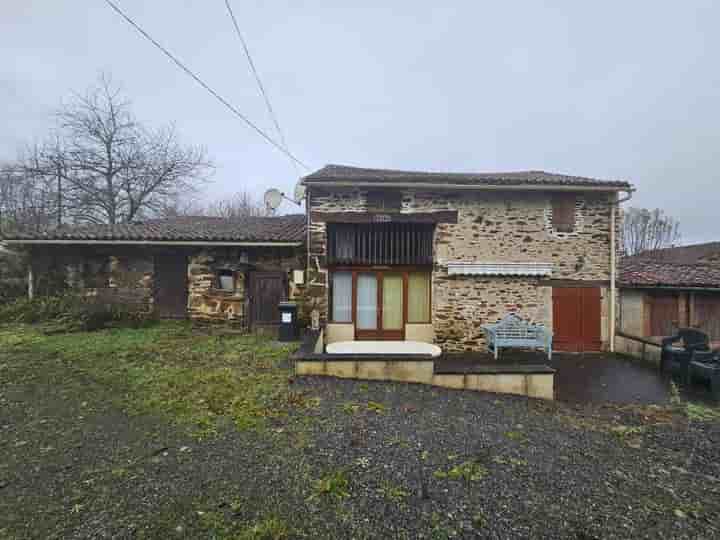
[288, 322]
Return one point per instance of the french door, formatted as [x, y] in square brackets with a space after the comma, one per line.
[380, 307]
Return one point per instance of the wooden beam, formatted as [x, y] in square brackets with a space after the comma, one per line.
[443, 216]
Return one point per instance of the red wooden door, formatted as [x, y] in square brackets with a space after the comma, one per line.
[576, 319]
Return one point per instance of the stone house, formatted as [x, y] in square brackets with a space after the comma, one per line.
[421, 256]
[671, 288]
[379, 255]
[204, 268]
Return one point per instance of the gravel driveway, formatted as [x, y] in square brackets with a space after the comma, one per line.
[369, 460]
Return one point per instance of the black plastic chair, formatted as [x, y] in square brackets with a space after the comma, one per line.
[693, 359]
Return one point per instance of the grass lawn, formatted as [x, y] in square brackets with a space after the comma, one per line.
[163, 432]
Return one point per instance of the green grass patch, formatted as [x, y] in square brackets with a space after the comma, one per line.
[219, 526]
[393, 492]
[470, 471]
[335, 485]
[167, 369]
[702, 413]
[517, 436]
[376, 407]
[512, 461]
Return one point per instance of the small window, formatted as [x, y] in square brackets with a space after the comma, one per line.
[563, 212]
[341, 293]
[418, 297]
[384, 201]
[226, 279]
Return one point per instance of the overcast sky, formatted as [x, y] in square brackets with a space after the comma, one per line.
[606, 89]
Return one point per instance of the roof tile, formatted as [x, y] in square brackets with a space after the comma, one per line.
[338, 173]
[187, 228]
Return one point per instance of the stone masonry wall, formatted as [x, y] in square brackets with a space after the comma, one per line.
[462, 304]
[126, 276]
[122, 276]
[206, 301]
[493, 226]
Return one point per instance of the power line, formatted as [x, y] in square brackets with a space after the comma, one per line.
[205, 86]
[265, 96]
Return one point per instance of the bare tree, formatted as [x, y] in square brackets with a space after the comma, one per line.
[113, 169]
[648, 230]
[241, 204]
[181, 206]
[28, 194]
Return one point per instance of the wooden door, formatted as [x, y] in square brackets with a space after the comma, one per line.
[576, 319]
[707, 313]
[170, 284]
[380, 305]
[267, 290]
[664, 314]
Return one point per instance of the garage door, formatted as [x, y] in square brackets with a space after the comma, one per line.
[576, 319]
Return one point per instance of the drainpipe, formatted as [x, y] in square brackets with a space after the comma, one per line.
[613, 271]
[613, 263]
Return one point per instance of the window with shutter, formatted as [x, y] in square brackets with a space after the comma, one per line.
[384, 201]
[563, 212]
[380, 243]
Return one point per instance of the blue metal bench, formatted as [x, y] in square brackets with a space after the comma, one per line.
[514, 332]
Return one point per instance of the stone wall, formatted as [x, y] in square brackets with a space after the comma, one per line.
[122, 276]
[206, 301]
[126, 276]
[462, 304]
[13, 275]
[492, 226]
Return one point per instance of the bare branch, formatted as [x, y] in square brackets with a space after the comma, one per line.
[646, 231]
[103, 166]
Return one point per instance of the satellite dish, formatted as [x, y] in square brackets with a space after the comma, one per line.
[299, 192]
[273, 198]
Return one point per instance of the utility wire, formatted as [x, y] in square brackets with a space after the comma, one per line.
[265, 96]
[206, 87]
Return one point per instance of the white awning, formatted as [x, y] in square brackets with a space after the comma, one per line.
[500, 268]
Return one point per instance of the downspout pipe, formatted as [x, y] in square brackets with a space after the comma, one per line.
[613, 262]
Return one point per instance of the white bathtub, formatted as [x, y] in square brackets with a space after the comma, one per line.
[379, 348]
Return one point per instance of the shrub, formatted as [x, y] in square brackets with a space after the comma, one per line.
[11, 288]
[68, 312]
[13, 276]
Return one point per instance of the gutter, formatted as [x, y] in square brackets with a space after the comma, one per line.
[153, 243]
[470, 187]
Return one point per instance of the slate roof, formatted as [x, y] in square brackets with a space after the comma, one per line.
[338, 173]
[187, 228]
[687, 266]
